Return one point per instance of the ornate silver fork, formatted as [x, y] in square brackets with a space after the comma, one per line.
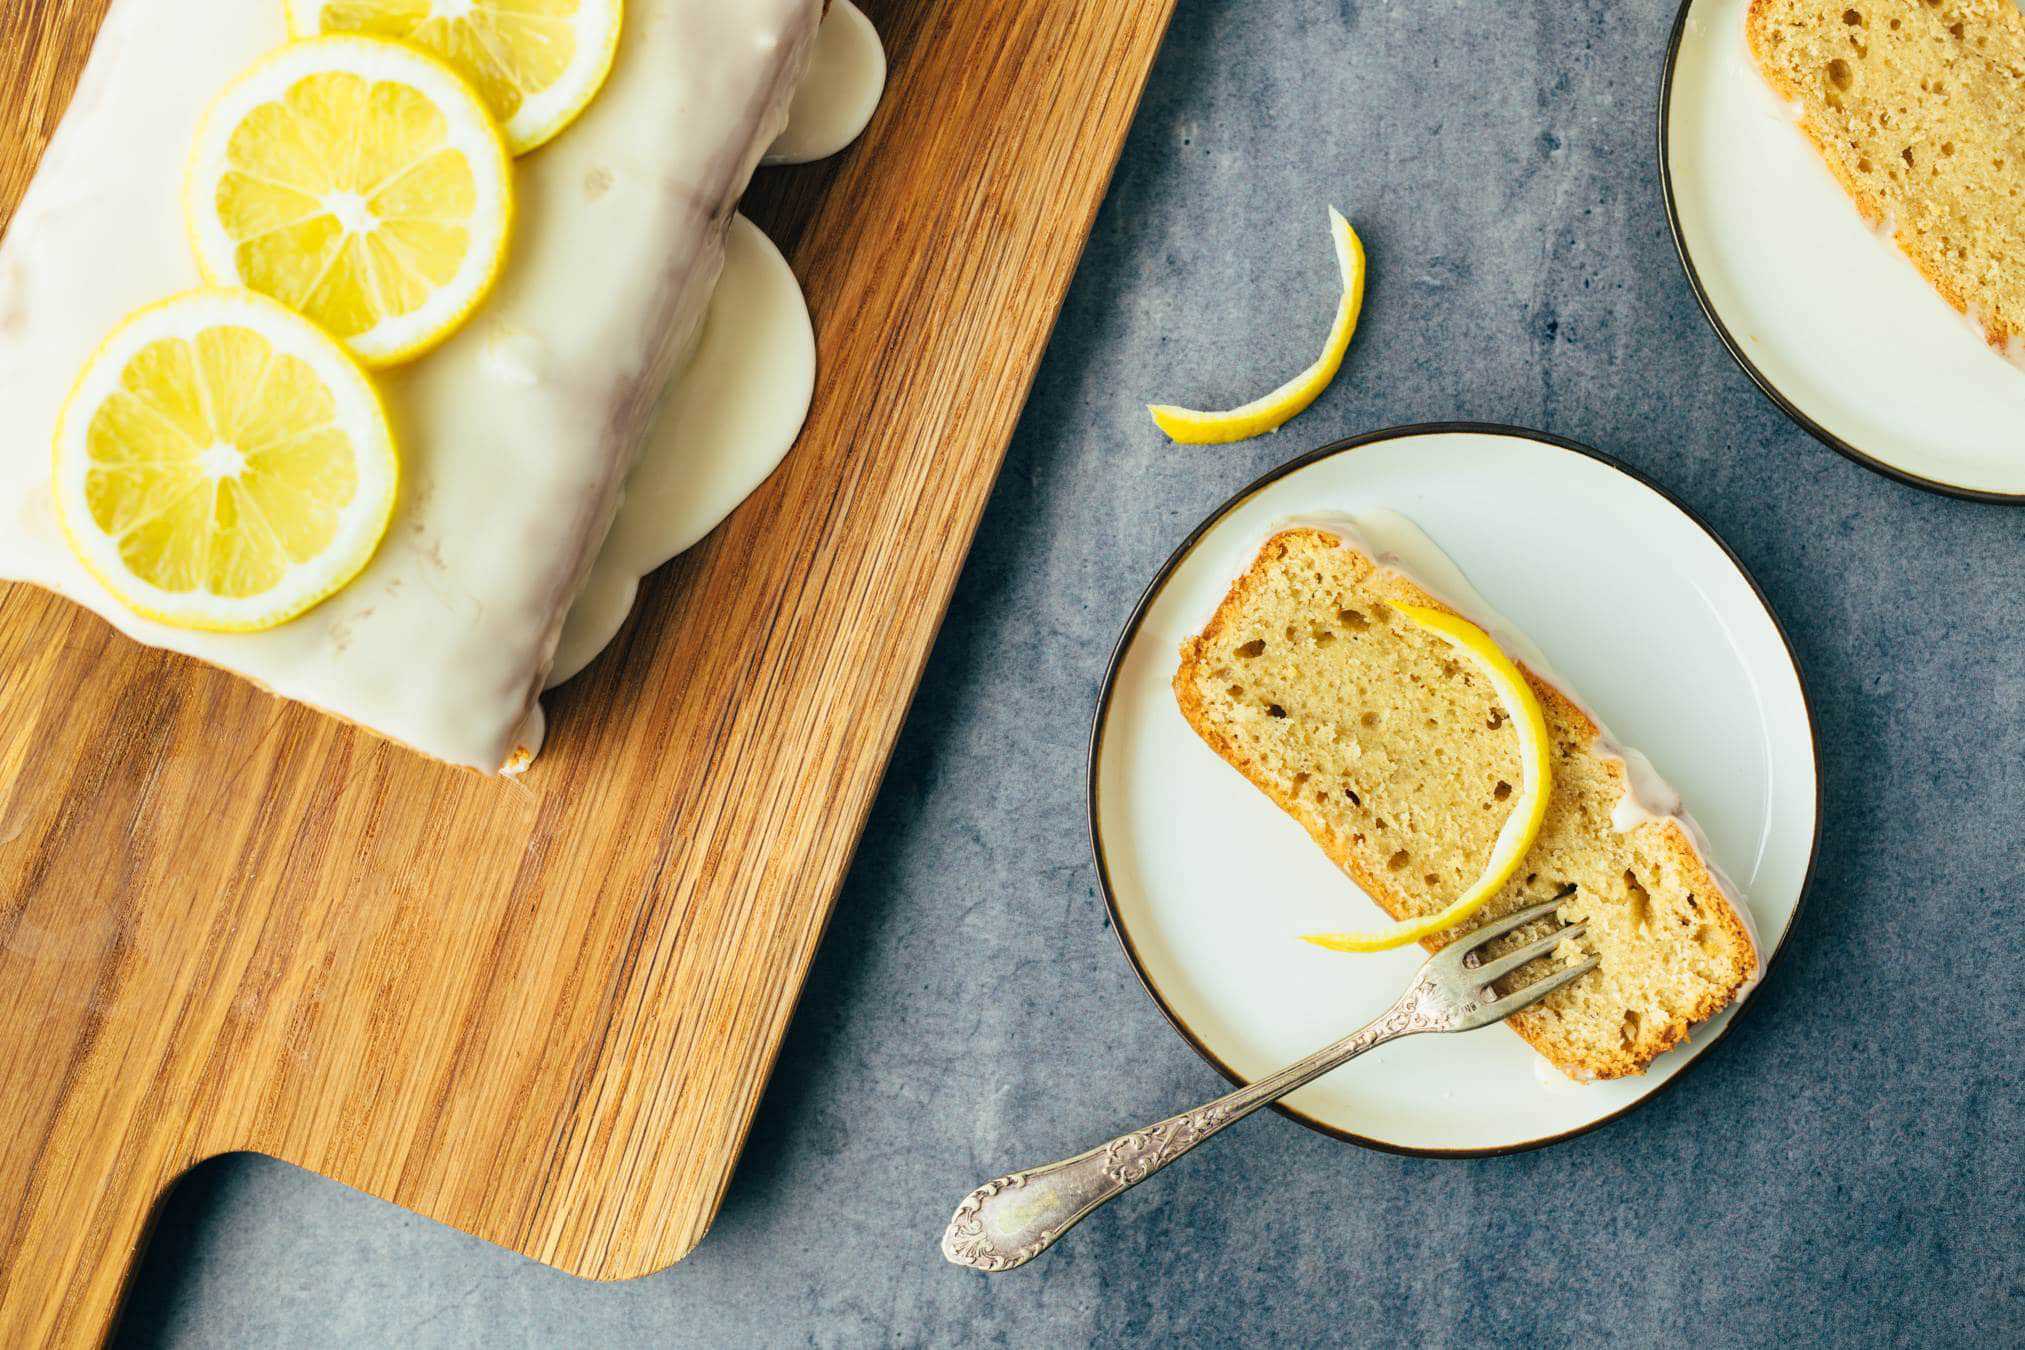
[1009, 1221]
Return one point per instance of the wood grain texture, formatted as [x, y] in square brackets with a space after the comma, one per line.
[542, 1012]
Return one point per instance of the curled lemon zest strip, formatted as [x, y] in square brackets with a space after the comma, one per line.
[1190, 427]
[1521, 828]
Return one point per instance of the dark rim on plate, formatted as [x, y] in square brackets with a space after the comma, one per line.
[1730, 344]
[1159, 584]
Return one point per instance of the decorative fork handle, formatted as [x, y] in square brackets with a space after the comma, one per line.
[1011, 1220]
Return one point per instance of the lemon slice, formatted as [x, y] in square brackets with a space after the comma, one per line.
[1292, 398]
[538, 63]
[1521, 828]
[360, 183]
[222, 463]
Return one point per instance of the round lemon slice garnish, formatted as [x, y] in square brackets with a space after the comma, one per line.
[538, 63]
[1292, 398]
[1521, 828]
[222, 463]
[360, 183]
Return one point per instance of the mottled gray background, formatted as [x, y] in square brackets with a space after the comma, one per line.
[1843, 1168]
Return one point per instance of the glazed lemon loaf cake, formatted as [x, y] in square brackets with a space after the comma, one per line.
[1918, 107]
[1398, 759]
[515, 435]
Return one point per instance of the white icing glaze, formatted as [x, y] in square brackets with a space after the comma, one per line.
[1553, 1079]
[738, 408]
[727, 424]
[2013, 348]
[1396, 543]
[516, 435]
[846, 78]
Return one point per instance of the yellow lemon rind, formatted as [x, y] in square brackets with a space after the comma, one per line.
[526, 132]
[213, 250]
[1190, 427]
[114, 582]
[1522, 827]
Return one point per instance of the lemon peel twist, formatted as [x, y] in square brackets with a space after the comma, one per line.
[1190, 427]
[1521, 827]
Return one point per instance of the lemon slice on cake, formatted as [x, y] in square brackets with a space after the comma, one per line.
[221, 463]
[538, 63]
[1521, 828]
[1292, 398]
[360, 183]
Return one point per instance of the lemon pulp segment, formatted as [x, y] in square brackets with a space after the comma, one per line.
[223, 464]
[1521, 828]
[1292, 398]
[358, 182]
[537, 63]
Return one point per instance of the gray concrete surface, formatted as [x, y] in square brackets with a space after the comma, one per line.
[1843, 1169]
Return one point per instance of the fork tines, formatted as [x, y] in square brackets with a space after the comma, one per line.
[1465, 953]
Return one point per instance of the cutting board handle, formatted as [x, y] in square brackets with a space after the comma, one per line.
[73, 1246]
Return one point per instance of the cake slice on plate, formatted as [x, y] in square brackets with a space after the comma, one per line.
[1918, 107]
[1397, 758]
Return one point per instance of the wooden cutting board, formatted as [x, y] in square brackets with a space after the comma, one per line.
[542, 1012]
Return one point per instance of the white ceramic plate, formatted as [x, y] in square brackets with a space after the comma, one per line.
[1643, 609]
[1832, 322]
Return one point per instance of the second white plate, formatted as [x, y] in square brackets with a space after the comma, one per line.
[1644, 610]
[1833, 323]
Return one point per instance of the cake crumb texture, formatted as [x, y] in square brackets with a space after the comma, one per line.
[1918, 107]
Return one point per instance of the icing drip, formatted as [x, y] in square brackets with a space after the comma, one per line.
[846, 77]
[732, 415]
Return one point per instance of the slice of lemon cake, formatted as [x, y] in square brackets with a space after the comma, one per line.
[1918, 107]
[1396, 756]
[514, 436]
